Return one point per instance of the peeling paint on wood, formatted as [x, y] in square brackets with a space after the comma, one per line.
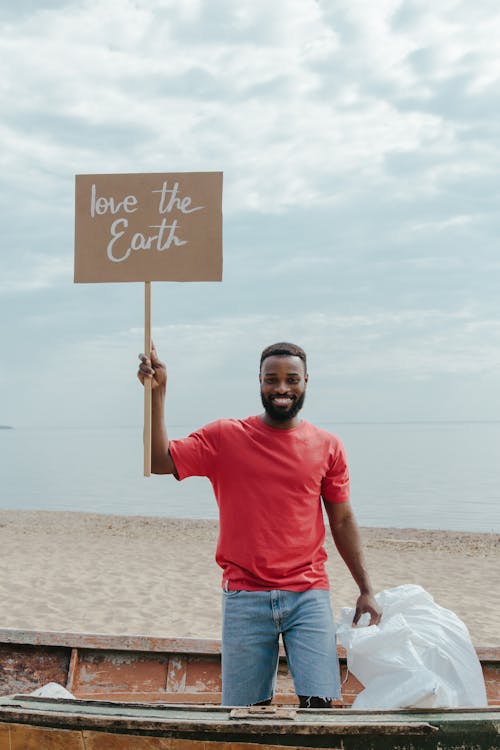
[176, 674]
[25, 668]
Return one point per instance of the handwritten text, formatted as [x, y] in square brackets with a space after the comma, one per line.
[120, 247]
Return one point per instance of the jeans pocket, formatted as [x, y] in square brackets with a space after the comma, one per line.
[231, 594]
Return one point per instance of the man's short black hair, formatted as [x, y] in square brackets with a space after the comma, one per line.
[284, 349]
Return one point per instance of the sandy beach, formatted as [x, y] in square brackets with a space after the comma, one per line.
[157, 576]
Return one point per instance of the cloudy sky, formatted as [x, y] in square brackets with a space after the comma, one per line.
[360, 145]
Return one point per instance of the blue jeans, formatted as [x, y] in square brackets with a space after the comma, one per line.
[251, 625]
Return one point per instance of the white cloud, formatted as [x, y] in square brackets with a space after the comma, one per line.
[266, 118]
[450, 223]
[397, 343]
[458, 38]
[44, 271]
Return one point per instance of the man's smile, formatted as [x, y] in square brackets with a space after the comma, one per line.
[283, 400]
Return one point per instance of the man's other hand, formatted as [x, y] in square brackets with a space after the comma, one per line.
[367, 603]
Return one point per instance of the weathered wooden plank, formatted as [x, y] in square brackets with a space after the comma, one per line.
[4, 737]
[73, 665]
[159, 698]
[26, 737]
[108, 741]
[152, 643]
[59, 725]
[491, 673]
[24, 668]
[111, 672]
[110, 642]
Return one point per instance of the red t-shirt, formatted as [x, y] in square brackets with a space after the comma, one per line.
[268, 484]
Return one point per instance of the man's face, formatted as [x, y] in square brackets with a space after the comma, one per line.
[282, 386]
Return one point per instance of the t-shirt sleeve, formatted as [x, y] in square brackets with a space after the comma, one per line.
[196, 455]
[335, 484]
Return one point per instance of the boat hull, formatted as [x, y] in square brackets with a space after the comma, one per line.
[137, 668]
[28, 723]
[143, 693]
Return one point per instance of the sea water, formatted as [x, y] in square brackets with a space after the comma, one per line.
[439, 475]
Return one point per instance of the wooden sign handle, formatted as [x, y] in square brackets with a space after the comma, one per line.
[147, 382]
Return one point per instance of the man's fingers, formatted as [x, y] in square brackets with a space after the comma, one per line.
[150, 368]
[154, 355]
[145, 368]
[144, 375]
[155, 361]
[357, 615]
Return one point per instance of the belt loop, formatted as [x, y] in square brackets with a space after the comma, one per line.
[226, 585]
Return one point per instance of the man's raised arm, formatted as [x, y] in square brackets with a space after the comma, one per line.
[152, 369]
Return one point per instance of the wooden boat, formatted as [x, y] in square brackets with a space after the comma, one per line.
[144, 693]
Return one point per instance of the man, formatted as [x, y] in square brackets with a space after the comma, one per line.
[269, 473]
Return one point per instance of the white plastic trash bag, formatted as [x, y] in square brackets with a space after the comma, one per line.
[52, 690]
[420, 655]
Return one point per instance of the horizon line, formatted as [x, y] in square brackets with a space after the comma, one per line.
[316, 422]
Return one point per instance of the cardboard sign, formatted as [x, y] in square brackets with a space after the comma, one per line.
[148, 227]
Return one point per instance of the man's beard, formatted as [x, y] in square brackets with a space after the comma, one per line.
[282, 415]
